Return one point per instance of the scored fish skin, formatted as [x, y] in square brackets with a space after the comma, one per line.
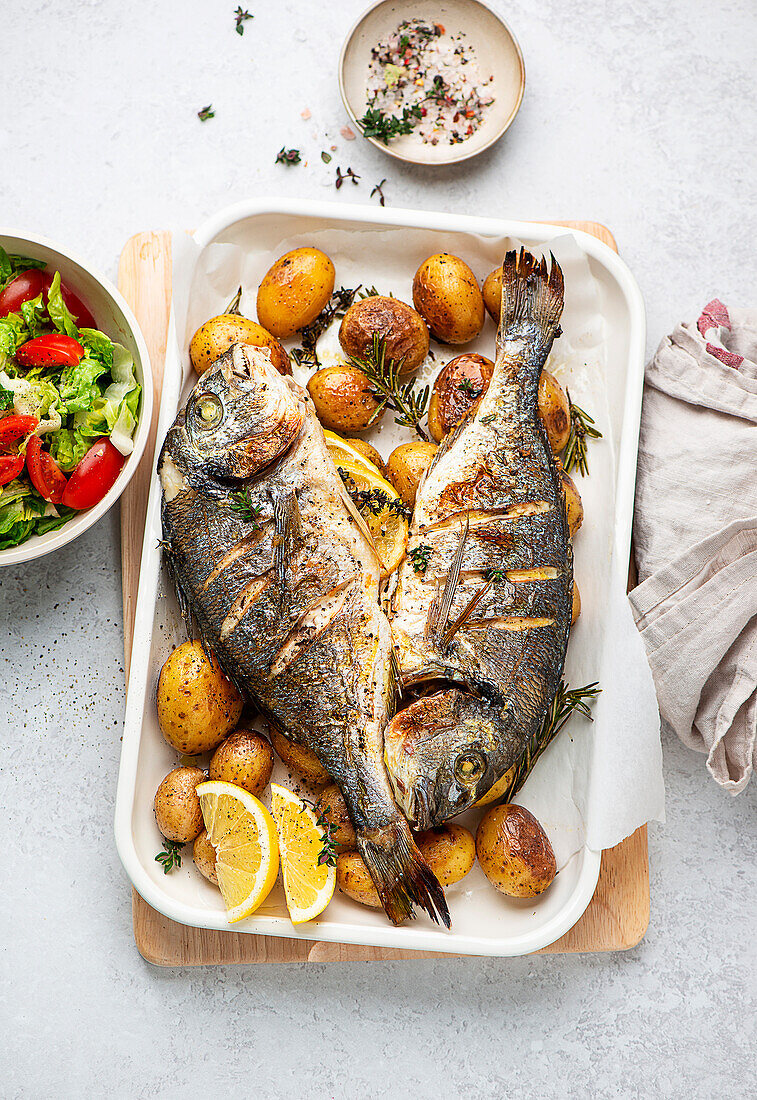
[286, 595]
[485, 650]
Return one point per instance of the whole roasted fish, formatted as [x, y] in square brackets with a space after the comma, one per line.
[482, 607]
[277, 568]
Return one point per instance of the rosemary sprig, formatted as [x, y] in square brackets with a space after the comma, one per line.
[581, 429]
[419, 557]
[371, 292]
[243, 506]
[374, 501]
[288, 156]
[337, 306]
[376, 124]
[170, 857]
[384, 376]
[565, 702]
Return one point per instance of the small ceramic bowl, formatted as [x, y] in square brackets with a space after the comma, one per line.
[497, 52]
[115, 319]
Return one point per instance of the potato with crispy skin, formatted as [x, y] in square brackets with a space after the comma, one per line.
[449, 850]
[457, 389]
[177, 807]
[398, 324]
[554, 411]
[492, 292]
[218, 334]
[245, 759]
[353, 879]
[332, 807]
[299, 759]
[369, 452]
[406, 466]
[295, 290]
[514, 851]
[204, 856]
[576, 606]
[448, 297]
[197, 704]
[573, 506]
[343, 399]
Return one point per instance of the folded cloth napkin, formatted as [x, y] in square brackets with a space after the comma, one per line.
[695, 533]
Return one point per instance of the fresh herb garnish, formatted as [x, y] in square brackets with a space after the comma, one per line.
[376, 124]
[338, 304]
[206, 113]
[582, 428]
[565, 702]
[494, 576]
[240, 18]
[377, 190]
[374, 501]
[326, 157]
[6, 398]
[329, 844]
[467, 386]
[371, 292]
[384, 376]
[243, 506]
[170, 857]
[348, 175]
[288, 156]
[419, 557]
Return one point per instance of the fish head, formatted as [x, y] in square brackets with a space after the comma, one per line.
[241, 414]
[442, 754]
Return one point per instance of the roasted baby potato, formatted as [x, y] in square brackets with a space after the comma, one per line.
[177, 807]
[514, 851]
[332, 807]
[218, 334]
[576, 610]
[492, 292]
[554, 411]
[295, 290]
[447, 296]
[204, 855]
[369, 452]
[406, 466]
[300, 759]
[573, 506]
[449, 850]
[458, 386]
[245, 759]
[343, 399]
[197, 704]
[403, 329]
[354, 880]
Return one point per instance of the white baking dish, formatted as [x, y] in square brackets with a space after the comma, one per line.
[483, 921]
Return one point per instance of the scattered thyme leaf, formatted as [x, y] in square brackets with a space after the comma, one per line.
[384, 376]
[326, 157]
[206, 113]
[288, 156]
[240, 18]
[582, 428]
[348, 175]
[243, 506]
[419, 557]
[374, 501]
[337, 306]
[170, 857]
[377, 190]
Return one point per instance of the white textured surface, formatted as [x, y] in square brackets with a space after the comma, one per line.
[640, 115]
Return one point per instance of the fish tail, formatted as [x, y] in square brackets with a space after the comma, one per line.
[400, 873]
[531, 293]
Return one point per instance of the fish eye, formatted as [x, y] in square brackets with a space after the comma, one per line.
[470, 766]
[207, 411]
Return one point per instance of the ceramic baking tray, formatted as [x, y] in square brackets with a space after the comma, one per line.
[483, 922]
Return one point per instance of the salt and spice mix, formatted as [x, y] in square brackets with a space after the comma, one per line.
[423, 80]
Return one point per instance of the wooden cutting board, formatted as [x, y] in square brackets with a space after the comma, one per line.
[618, 914]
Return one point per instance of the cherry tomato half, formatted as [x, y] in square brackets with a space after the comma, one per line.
[94, 475]
[22, 289]
[73, 303]
[44, 472]
[13, 428]
[53, 350]
[10, 467]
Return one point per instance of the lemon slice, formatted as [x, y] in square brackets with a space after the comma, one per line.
[243, 835]
[342, 449]
[308, 884]
[498, 789]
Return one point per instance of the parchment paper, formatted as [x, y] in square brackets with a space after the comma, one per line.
[598, 781]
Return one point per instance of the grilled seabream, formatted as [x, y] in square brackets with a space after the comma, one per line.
[482, 606]
[279, 573]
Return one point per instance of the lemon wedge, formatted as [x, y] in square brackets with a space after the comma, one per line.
[308, 884]
[243, 835]
[387, 525]
[498, 789]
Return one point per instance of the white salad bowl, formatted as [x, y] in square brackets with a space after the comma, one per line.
[116, 320]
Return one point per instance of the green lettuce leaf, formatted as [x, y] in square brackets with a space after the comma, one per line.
[23, 513]
[13, 333]
[115, 413]
[78, 389]
[98, 346]
[6, 398]
[68, 446]
[34, 315]
[11, 265]
[35, 397]
[61, 317]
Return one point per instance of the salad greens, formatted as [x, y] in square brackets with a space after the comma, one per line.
[74, 404]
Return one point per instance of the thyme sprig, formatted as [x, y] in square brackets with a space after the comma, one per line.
[288, 156]
[342, 178]
[376, 124]
[329, 844]
[374, 501]
[582, 428]
[240, 18]
[243, 506]
[206, 113]
[337, 306]
[467, 386]
[170, 857]
[565, 702]
[377, 190]
[384, 376]
[419, 557]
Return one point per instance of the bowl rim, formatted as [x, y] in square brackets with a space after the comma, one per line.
[31, 550]
[452, 159]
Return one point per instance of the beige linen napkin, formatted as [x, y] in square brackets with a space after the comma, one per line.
[695, 532]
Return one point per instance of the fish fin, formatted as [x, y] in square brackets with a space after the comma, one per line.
[531, 292]
[286, 518]
[360, 522]
[400, 873]
[438, 612]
